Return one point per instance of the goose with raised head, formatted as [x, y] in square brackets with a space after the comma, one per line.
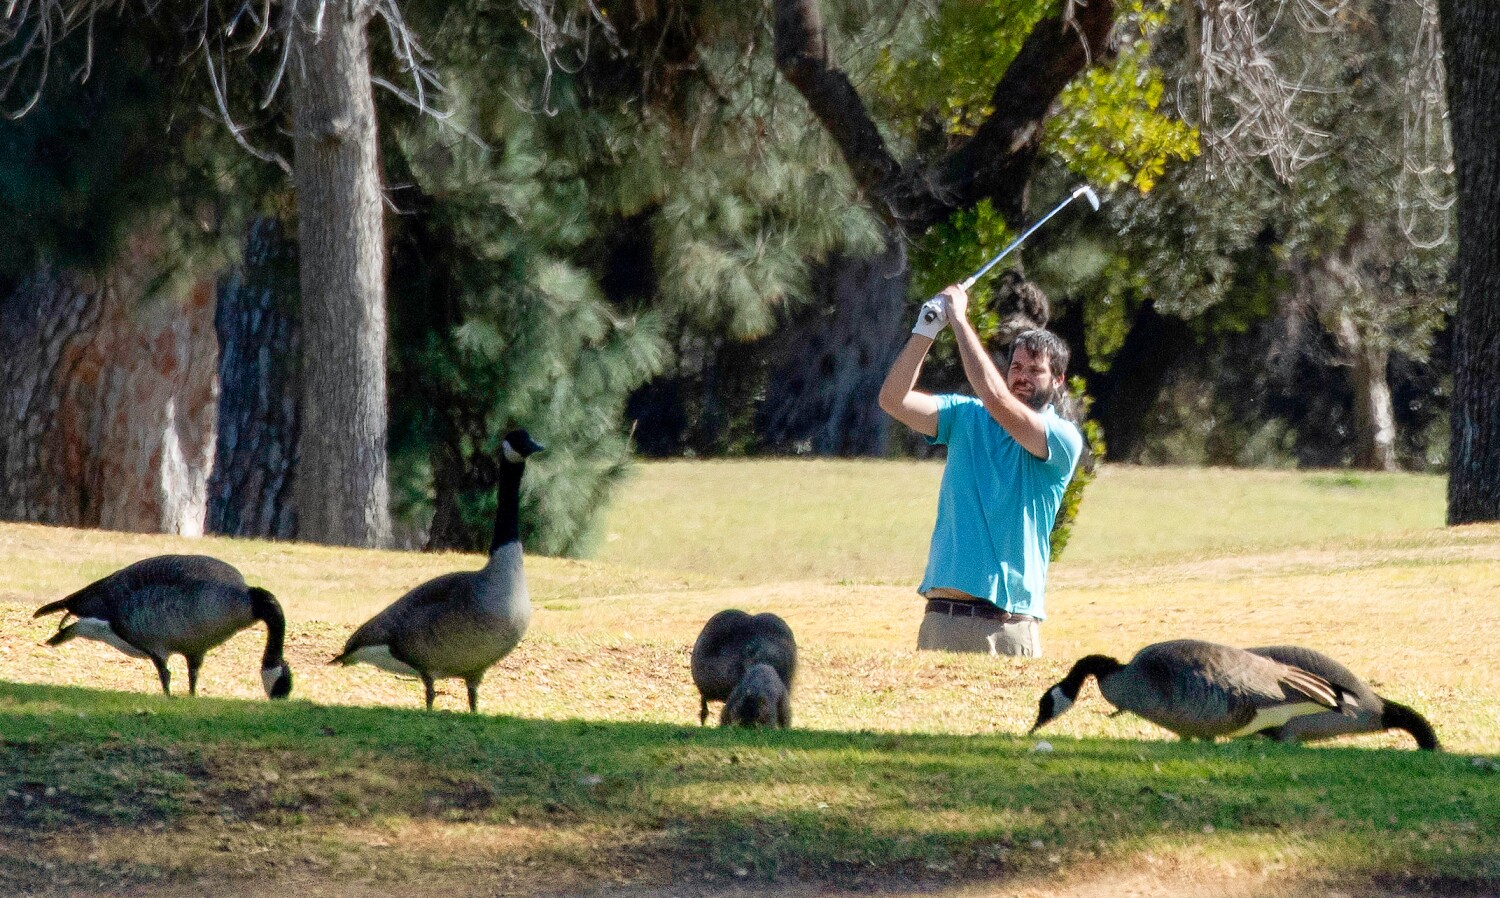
[730, 644]
[1376, 712]
[175, 605]
[458, 625]
[1200, 690]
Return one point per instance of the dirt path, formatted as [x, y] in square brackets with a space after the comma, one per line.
[1140, 882]
[1145, 877]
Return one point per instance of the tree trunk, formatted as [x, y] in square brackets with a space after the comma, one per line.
[1471, 48]
[1374, 413]
[110, 403]
[343, 496]
[250, 492]
[827, 369]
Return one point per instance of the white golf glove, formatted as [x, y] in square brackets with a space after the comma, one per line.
[931, 318]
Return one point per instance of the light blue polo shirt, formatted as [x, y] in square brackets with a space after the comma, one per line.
[996, 506]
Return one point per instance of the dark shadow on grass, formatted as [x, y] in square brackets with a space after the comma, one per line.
[776, 804]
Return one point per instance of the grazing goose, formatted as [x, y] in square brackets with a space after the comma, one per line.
[759, 699]
[730, 643]
[458, 625]
[175, 605]
[1200, 690]
[1376, 712]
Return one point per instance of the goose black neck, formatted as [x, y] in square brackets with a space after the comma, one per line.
[508, 504]
[1098, 666]
[1397, 716]
[264, 607]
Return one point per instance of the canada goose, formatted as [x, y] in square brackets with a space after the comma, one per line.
[1376, 712]
[730, 643]
[175, 605]
[759, 699]
[1200, 690]
[458, 625]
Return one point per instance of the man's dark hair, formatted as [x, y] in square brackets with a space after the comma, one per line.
[1029, 301]
[1039, 341]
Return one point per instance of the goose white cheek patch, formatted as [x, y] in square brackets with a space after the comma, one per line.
[511, 455]
[1060, 701]
[270, 675]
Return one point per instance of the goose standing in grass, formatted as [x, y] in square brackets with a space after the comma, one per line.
[1200, 690]
[1376, 712]
[759, 699]
[730, 644]
[458, 625]
[175, 605]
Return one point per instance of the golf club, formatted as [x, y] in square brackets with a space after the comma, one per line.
[1081, 190]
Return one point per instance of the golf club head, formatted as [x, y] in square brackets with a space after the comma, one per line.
[1088, 192]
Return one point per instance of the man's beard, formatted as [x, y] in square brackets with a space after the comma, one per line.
[1040, 399]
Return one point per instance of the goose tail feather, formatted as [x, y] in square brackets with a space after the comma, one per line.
[51, 608]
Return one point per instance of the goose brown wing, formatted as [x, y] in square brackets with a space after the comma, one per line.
[104, 596]
[1263, 683]
[1298, 682]
[421, 601]
[1317, 663]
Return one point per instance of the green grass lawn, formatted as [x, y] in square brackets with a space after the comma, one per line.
[868, 521]
[587, 768]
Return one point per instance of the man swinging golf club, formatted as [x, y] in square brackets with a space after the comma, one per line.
[1010, 457]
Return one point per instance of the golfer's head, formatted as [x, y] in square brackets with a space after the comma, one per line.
[1038, 366]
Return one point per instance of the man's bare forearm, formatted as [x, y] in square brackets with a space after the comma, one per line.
[899, 397]
[904, 371]
[1018, 419]
[986, 380]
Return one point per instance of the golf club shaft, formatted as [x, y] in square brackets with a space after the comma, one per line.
[1028, 232]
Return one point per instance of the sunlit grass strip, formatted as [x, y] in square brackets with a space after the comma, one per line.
[809, 802]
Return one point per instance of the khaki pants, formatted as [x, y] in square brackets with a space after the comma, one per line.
[947, 633]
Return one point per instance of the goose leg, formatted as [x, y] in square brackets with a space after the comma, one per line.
[163, 674]
[430, 688]
[473, 695]
[194, 662]
[702, 712]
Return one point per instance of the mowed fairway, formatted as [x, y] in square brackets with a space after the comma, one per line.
[905, 771]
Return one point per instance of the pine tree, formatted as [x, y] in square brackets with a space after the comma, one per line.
[604, 223]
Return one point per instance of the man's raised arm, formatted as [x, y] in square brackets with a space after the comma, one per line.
[1018, 418]
[899, 397]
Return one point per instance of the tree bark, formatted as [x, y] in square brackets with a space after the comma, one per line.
[827, 368]
[250, 492]
[110, 403]
[1471, 48]
[343, 496]
[995, 163]
[1374, 413]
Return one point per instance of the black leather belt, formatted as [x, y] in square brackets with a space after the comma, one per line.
[976, 609]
